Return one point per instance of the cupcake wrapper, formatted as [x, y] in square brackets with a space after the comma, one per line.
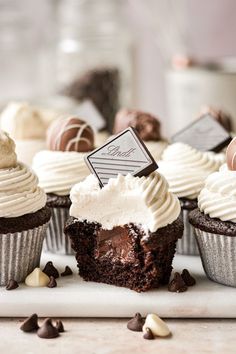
[56, 241]
[20, 253]
[218, 255]
[187, 245]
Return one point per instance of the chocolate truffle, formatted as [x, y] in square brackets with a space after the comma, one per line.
[146, 124]
[70, 134]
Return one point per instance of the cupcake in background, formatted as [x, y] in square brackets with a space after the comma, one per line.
[215, 222]
[186, 170]
[58, 169]
[24, 216]
[147, 126]
[27, 125]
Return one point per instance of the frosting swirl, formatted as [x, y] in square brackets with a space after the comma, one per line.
[125, 199]
[186, 168]
[58, 171]
[218, 197]
[19, 192]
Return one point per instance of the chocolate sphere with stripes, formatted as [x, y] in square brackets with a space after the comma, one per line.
[70, 134]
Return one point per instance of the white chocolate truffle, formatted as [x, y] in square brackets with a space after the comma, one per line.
[8, 156]
[23, 121]
[158, 327]
[37, 278]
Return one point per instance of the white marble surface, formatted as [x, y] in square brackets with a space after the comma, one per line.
[75, 298]
[110, 336]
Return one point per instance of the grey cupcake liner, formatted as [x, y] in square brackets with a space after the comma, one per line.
[187, 245]
[218, 255]
[20, 253]
[56, 241]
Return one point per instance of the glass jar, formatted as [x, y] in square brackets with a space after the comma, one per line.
[95, 54]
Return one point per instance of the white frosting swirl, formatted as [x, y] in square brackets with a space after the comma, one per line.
[58, 171]
[218, 198]
[125, 199]
[186, 168]
[19, 192]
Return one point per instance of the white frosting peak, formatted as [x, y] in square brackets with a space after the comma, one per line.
[58, 171]
[218, 197]
[7, 151]
[125, 199]
[186, 168]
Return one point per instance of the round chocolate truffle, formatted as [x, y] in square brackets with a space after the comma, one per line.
[70, 134]
[222, 117]
[231, 155]
[147, 126]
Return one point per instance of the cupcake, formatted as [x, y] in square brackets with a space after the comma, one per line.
[27, 125]
[147, 126]
[23, 215]
[125, 234]
[186, 169]
[215, 222]
[58, 169]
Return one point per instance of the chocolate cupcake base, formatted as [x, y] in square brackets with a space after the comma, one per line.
[187, 245]
[124, 256]
[20, 251]
[217, 245]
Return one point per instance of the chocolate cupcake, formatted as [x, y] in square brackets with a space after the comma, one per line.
[186, 169]
[215, 222]
[147, 126]
[23, 215]
[130, 241]
[58, 169]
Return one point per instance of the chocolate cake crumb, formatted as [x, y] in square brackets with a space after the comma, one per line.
[177, 284]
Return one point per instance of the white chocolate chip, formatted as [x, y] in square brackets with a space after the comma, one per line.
[37, 278]
[158, 327]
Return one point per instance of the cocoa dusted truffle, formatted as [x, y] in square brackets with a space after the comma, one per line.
[146, 124]
[70, 134]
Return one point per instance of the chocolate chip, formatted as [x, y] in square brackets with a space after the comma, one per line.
[52, 283]
[148, 334]
[187, 278]
[50, 270]
[136, 323]
[47, 330]
[12, 284]
[177, 284]
[30, 324]
[60, 326]
[67, 271]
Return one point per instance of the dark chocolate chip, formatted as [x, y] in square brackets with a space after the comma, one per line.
[124, 153]
[50, 270]
[47, 330]
[148, 334]
[187, 278]
[177, 284]
[67, 271]
[60, 326]
[136, 323]
[30, 324]
[52, 283]
[12, 284]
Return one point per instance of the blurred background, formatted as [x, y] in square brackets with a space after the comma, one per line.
[167, 57]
